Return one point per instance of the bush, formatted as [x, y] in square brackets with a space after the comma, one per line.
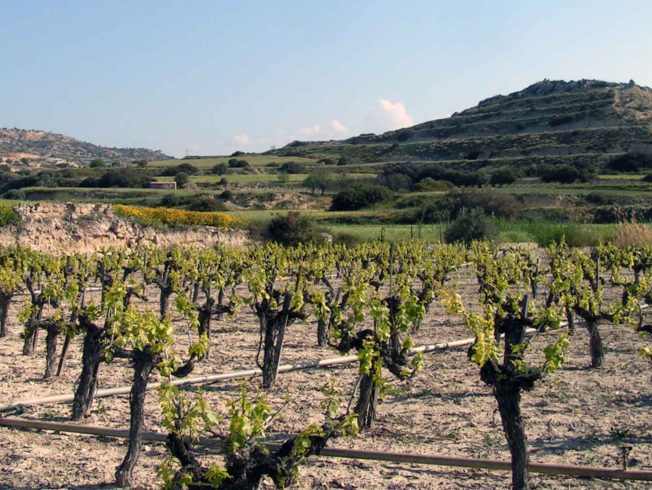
[292, 168]
[219, 169]
[121, 177]
[396, 182]
[647, 178]
[450, 207]
[630, 162]
[235, 163]
[206, 203]
[185, 168]
[8, 216]
[15, 194]
[292, 229]
[566, 174]
[429, 184]
[504, 176]
[359, 196]
[470, 226]
[182, 180]
[170, 201]
[227, 195]
[97, 163]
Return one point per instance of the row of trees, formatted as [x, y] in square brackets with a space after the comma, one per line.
[370, 299]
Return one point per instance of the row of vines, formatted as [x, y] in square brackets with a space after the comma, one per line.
[369, 300]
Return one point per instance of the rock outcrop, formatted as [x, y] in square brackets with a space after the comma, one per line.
[77, 227]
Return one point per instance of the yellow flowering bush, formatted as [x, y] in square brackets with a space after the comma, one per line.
[168, 216]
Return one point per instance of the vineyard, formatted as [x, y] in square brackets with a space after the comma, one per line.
[208, 361]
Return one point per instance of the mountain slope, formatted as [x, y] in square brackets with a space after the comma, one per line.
[575, 122]
[44, 144]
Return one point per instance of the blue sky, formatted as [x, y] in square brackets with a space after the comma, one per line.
[210, 77]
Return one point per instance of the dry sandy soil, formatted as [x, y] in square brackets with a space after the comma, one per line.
[579, 416]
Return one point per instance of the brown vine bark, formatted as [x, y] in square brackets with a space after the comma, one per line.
[143, 365]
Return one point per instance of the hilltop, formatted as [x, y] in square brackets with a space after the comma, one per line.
[43, 148]
[578, 122]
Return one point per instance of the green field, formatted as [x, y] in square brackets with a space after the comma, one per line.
[508, 232]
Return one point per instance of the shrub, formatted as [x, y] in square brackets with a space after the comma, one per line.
[15, 194]
[292, 229]
[566, 174]
[219, 169]
[227, 195]
[206, 203]
[292, 168]
[235, 163]
[97, 163]
[450, 207]
[470, 226]
[504, 176]
[122, 177]
[343, 161]
[396, 182]
[359, 196]
[185, 168]
[429, 184]
[8, 216]
[170, 201]
[182, 180]
[647, 178]
[630, 162]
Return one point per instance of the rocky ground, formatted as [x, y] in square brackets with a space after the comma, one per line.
[578, 416]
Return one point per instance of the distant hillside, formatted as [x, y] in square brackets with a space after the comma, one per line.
[34, 144]
[580, 122]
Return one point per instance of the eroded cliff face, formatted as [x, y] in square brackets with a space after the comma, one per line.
[82, 227]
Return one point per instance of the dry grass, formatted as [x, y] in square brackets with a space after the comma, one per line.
[632, 234]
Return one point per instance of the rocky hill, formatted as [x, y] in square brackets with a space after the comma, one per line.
[44, 146]
[577, 122]
[79, 227]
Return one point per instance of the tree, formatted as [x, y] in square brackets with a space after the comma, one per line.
[182, 180]
[504, 176]
[470, 226]
[219, 169]
[292, 229]
[318, 180]
[97, 163]
[359, 196]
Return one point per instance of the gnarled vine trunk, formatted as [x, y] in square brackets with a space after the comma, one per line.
[4, 311]
[92, 355]
[595, 343]
[51, 349]
[31, 332]
[143, 366]
[367, 405]
[509, 400]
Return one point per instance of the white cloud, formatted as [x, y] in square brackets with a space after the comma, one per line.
[311, 131]
[339, 128]
[334, 129]
[240, 140]
[387, 115]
